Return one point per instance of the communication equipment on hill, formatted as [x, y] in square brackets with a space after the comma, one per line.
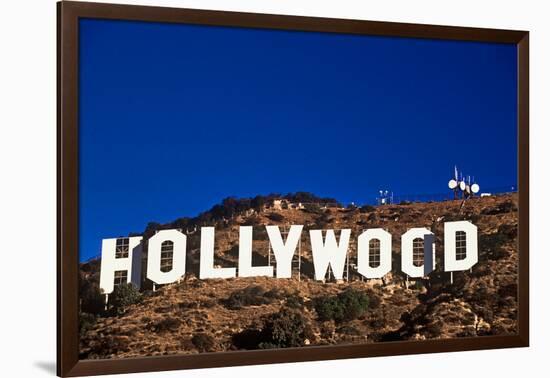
[385, 197]
[463, 187]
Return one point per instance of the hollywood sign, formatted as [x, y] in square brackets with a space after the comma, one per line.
[326, 251]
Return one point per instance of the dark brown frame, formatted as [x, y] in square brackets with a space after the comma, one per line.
[68, 13]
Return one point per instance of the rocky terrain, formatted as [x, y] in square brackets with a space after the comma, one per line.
[195, 316]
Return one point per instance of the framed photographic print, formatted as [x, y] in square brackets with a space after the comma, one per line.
[239, 188]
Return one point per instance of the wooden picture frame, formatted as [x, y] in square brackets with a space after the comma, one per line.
[69, 13]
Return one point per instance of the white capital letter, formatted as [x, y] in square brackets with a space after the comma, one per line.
[468, 240]
[245, 256]
[364, 265]
[284, 252]
[178, 243]
[329, 253]
[110, 263]
[428, 261]
[207, 269]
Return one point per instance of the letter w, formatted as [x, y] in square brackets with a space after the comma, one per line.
[329, 252]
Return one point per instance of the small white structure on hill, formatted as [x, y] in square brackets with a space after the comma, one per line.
[277, 204]
[282, 203]
[385, 197]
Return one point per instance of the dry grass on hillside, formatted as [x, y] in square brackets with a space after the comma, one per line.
[195, 315]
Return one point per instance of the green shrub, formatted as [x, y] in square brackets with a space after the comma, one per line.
[203, 342]
[275, 293]
[504, 207]
[509, 230]
[250, 338]
[110, 345]
[252, 220]
[366, 209]
[254, 295]
[294, 301]
[492, 245]
[123, 296]
[510, 290]
[86, 322]
[287, 328]
[91, 299]
[434, 329]
[347, 305]
[283, 329]
[328, 308]
[165, 324]
[374, 299]
[348, 330]
[354, 302]
[313, 208]
[276, 217]
[267, 345]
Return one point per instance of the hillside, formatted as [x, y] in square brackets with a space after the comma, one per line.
[216, 315]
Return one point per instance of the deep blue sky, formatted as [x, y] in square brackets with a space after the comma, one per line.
[173, 118]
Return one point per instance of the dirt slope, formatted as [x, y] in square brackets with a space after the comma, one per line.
[194, 315]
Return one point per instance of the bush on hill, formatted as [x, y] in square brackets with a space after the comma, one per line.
[347, 305]
[123, 296]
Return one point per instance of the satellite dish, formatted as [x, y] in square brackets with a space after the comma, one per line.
[452, 184]
[475, 188]
[462, 185]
